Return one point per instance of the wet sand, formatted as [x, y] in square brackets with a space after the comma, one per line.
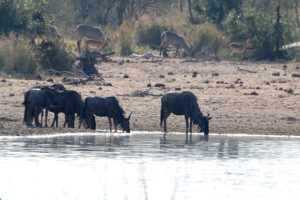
[251, 98]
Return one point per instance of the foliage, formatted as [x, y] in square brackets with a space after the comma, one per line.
[17, 57]
[23, 17]
[53, 55]
[216, 10]
[205, 37]
[261, 28]
[150, 35]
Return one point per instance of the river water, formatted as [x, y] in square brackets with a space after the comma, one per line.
[148, 166]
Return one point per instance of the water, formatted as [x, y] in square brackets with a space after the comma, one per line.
[147, 166]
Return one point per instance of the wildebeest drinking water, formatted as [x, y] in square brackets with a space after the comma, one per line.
[184, 103]
[104, 107]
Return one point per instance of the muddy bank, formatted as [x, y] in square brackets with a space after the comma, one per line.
[252, 98]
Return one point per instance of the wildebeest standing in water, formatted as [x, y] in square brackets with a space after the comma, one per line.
[184, 103]
[39, 98]
[104, 107]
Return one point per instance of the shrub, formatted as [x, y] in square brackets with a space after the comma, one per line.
[205, 38]
[262, 29]
[53, 55]
[18, 58]
[150, 35]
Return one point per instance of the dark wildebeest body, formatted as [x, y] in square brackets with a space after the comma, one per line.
[38, 98]
[71, 104]
[184, 103]
[104, 107]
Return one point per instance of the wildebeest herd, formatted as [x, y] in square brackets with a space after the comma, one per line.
[57, 99]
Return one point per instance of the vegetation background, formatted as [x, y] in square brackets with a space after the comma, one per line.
[135, 27]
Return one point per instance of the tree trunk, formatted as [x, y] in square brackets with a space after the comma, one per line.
[192, 20]
[297, 14]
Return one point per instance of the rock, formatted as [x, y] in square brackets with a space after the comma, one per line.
[195, 74]
[252, 93]
[296, 75]
[284, 67]
[267, 83]
[161, 76]
[149, 85]
[3, 81]
[92, 92]
[170, 73]
[276, 74]
[215, 74]
[107, 84]
[121, 62]
[289, 91]
[50, 80]
[128, 61]
[11, 95]
[126, 76]
[99, 88]
[160, 85]
[178, 88]
[39, 77]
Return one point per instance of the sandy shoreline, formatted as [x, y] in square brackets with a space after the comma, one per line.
[242, 98]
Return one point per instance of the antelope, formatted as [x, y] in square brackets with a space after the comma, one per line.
[89, 32]
[170, 38]
[239, 48]
[96, 43]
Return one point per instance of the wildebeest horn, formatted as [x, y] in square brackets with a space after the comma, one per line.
[129, 116]
[208, 117]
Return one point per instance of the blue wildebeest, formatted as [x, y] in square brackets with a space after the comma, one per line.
[71, 104]
[38, 98]
[184, 103]
[104, 107]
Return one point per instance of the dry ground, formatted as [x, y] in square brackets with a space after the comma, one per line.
[241, 98]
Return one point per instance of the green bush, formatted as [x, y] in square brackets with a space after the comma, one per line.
[205, 38]
[150, 35]
[18, 58]
[53, 55]
[262, 29]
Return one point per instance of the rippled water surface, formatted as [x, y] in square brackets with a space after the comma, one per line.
[147, 166]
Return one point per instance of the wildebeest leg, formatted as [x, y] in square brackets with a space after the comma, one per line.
[46, 117]
[115, 124]
[176, 53]
[186, 124]
[110, 124]
[54, 119]
[66, 120]
[191, 124]
[166, 115]
[36, 116]
[42, 115]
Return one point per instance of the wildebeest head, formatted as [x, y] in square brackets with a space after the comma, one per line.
[125, 124]
[203, 122]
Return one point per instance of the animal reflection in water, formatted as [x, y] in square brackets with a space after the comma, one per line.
[104, 107]
[184, 103]
[189, 139]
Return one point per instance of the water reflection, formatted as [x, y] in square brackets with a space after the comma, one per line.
[149, 166]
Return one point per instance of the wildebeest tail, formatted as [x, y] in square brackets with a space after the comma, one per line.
[161, 115]
[25, 103]
[84, 110]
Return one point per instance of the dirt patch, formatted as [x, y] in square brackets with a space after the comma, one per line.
[228, 97]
